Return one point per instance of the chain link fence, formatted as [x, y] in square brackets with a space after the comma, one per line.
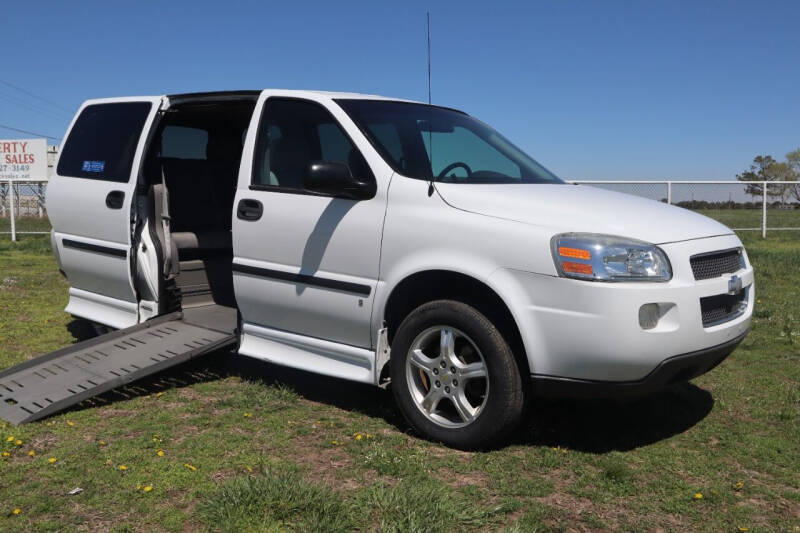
[739, 205]
[22, 209]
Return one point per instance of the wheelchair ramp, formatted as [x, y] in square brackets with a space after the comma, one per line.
[49, 383]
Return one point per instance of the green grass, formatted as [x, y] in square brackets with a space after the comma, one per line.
[23, 224]
[751, 218]
[253, 447]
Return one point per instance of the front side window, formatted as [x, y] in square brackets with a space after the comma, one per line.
[103, 141]
[295, 133]
[428, 142]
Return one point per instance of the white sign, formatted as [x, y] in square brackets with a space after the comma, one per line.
[23, 159]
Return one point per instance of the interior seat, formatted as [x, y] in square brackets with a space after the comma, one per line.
[199, 226]
[288, 161]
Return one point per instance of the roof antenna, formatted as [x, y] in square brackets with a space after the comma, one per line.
[430, 126]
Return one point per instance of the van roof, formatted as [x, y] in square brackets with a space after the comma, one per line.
[298, 92]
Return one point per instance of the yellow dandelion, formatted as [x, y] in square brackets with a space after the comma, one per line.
[248, 415]
[698, 495]
[123, 467]
[138, 487]
[249, 468]
[70, 423]
[358, 437]
[18, 442]
[148, 488]
[6, 454]
[10, 439]
[190, 467]
[160, 453]
[31, 453]
[335, 442]
[16, 511]
[48, 424]
[744, 529]
[102, 443]
[739, 485]
[52, 460]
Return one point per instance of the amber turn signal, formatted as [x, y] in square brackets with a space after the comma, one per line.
[577, 253]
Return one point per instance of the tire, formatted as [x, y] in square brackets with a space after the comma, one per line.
[480, 411]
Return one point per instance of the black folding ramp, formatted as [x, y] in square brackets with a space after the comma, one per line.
[49, 383]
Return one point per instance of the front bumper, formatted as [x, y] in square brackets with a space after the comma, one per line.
[590, 331]
[676, 369]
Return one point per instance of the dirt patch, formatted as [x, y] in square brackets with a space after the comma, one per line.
[322, 464]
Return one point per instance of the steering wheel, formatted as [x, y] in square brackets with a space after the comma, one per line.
[453, 166]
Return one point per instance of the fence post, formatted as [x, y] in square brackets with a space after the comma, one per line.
[669, 193]
[13, 223]
[764, 212]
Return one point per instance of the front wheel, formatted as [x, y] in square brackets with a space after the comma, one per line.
[454, 377]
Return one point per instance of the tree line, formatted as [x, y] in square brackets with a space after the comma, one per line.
[766, 168]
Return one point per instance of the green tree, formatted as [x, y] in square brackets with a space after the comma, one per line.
[793, 160]
[766, 168]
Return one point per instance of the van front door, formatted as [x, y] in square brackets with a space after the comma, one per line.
[305, 265]
[89, 199]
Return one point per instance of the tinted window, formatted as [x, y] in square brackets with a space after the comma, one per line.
[429, 142]
[295, 133]
[182, 142]
[103, 141]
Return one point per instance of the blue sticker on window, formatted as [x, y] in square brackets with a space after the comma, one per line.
[93, 166]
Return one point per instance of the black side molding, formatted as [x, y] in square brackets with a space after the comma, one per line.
[327, 283]
[69, 243]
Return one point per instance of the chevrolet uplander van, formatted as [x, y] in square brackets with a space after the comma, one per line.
[386, 242]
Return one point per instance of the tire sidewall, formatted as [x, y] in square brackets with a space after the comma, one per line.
[503, 408]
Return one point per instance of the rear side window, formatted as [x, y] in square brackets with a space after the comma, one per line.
[103, 141]
[182, 142]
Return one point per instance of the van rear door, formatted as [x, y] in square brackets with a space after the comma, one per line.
[89, 202]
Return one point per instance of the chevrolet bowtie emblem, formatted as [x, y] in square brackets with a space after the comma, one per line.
[734, 284]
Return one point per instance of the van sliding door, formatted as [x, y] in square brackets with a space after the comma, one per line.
[89, 202]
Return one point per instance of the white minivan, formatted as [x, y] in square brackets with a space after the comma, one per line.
[388, 242]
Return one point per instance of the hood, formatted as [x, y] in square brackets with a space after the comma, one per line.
[582, 208]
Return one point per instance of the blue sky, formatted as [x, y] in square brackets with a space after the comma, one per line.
[593, 90]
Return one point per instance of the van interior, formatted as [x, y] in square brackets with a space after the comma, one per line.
[193, 159]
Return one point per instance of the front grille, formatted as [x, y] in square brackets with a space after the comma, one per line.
[716, 264]
[722, 307]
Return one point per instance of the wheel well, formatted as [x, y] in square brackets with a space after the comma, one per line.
[423, 287]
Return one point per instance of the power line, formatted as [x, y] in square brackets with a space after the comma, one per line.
[3, 126]
[20, 89]
[34, 107]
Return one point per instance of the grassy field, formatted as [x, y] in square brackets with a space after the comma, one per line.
[231, 444]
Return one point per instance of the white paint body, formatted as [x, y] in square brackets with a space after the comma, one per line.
[497, 234]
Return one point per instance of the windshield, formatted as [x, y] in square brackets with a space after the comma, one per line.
[428, 142]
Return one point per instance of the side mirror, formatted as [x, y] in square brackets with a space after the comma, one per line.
[335, 179]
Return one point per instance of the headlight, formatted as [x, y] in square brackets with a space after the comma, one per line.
[607, 258]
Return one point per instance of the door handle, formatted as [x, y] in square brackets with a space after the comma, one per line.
[114, 199]
[249, 209]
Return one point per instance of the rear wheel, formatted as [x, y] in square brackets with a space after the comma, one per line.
[455, 377]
